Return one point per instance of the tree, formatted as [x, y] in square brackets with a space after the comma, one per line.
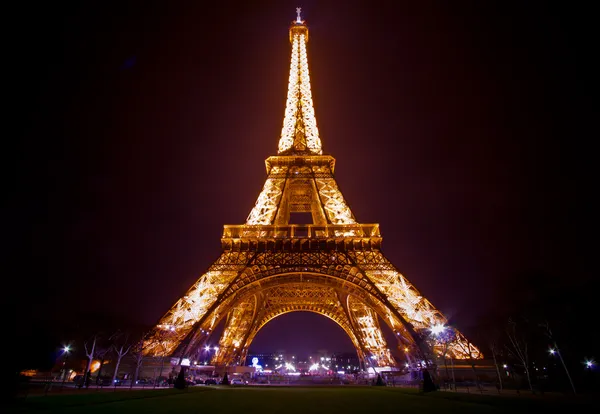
[518, 348]
[225, 380]
[101, 352]
[138, 357]
[446, 339]
[494, 348]
[90, 350]
[121, 347]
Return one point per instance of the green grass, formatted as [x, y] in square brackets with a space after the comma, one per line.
[251, 400]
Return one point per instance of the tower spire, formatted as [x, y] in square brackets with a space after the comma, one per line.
[299, 134]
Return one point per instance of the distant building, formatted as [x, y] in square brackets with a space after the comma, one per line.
[345, 361]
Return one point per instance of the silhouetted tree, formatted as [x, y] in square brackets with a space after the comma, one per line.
[138, 356]
[121, 347]
[225, 380]
[518, 347]
[102, 352]
[90, 351]
[494, 348]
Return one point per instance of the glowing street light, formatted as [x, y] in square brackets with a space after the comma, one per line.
[589, 363]
[66, 349]
[556, 351]
[207, 348]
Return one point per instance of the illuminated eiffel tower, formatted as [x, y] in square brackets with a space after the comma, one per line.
[333, 267]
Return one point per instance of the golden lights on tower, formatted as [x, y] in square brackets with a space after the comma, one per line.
[334, 266]
[299, 132]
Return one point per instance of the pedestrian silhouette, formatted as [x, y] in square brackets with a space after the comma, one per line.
[428, 384]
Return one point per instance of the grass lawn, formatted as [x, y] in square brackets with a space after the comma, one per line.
[263, 400]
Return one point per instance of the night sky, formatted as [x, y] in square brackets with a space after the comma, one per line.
[141, 127]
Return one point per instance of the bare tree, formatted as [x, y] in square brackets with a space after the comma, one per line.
[445, 340]
[101, 352]
[138, 356]
[518, 347]
[161, 358]
[121, 347]
[495, 350]
[90, 351]
[546, 327]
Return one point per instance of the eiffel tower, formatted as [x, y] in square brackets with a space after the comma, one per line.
[333, 267]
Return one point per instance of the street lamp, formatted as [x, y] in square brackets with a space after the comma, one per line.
[66, 350]
[557, 351]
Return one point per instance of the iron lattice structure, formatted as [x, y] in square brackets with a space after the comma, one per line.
[333, 267]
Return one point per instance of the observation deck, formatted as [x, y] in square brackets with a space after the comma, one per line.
[301, 237]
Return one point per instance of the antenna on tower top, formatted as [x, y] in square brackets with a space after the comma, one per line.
[298, 19]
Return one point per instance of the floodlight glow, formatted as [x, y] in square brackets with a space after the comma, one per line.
[289, 367]
[314, 367]
[207, 348]
[66, 349]
[589, 363]
[552, 351]
[437, 329]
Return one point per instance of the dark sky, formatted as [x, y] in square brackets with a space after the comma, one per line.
[141, 127]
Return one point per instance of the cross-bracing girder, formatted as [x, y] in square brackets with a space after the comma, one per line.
[192, 306]
[267, 203]
[239, 320]
[323, 195]
[413, 306]
[368, 327]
